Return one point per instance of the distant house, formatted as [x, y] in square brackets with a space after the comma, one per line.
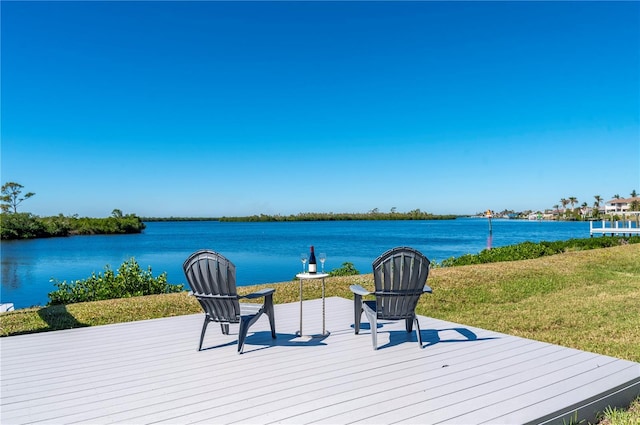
[619, 205]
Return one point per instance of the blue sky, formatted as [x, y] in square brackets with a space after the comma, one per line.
[239, 108]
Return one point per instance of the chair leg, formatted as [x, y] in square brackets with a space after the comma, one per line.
[225, 328]
[204, 329]
[409, 324]
[372, 317]
[418, 331]
[270, 312]
[242, 333]
[357, 310]
[245, 324]
[373, 321]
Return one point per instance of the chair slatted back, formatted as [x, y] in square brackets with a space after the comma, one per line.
[399, 275]
[212, 279]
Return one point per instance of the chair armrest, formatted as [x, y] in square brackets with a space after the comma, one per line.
[427, 288]
[259, 294]
[359, 290]
[215, 297]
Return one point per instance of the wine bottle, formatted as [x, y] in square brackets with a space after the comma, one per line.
[313, 268]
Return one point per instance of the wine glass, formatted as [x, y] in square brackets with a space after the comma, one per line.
[304, 257]
[322, 257]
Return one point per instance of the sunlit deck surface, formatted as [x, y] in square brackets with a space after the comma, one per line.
[151, 371]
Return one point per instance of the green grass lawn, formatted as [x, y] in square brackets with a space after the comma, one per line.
[588, 300]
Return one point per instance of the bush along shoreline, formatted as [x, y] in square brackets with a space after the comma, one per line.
[531, 250]
[129, 281]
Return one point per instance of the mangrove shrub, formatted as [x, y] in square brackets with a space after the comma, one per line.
[129, 281]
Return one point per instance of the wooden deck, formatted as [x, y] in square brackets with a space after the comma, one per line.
[151, 372]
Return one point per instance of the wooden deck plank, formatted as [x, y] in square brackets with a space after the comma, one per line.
[151, 371]
[455, 386]
[429, 378]
[482, 402]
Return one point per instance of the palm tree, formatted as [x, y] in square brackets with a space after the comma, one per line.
[598, 200]
[583, 210]
[564, 203]
[573, 200]
[555, 207]
[596, 205]
[634, 193]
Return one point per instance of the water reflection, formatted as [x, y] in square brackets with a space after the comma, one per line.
[17, 272]
[10, 277]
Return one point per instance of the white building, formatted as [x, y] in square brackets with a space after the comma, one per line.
[619, 205]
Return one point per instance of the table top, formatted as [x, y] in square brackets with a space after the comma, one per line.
[312, 275]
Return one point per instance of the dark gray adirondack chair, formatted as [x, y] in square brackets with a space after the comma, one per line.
[212, 279]
[400, 277]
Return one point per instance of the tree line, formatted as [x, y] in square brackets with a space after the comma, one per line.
[371, 215]
[23, 225]
[374, 214]
[29, 226]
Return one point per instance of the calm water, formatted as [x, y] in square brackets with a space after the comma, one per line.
[262, 252]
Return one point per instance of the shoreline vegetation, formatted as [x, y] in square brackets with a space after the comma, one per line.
[311, 216]
[15, 226]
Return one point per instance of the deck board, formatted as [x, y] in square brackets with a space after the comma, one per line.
[151, 372]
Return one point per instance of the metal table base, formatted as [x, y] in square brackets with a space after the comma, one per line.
[310, 276]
